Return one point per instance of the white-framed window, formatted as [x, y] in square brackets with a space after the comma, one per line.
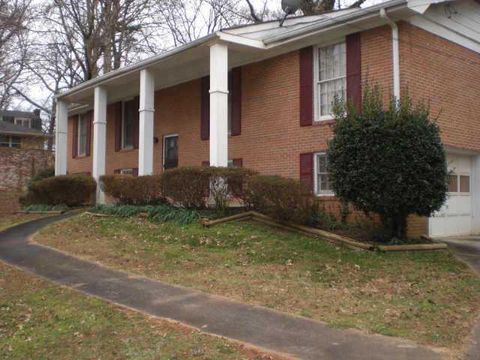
[23, 122]
[459, 184]
[10, 141]
[330, 78]
[129, 112]
[82, 134]
[321, 176]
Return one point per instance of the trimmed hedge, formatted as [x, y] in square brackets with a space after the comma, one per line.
[130, 190]
[187, 186]
[190, 187]
[286, 200]
[69, 190]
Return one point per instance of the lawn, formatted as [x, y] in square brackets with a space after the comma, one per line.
[39, 320]
[7, 220]
[428, 297]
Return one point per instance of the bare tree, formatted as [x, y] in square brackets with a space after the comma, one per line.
[307, 7]
[185, 21]
[14, 19]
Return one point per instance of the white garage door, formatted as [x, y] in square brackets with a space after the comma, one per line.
[455, 217]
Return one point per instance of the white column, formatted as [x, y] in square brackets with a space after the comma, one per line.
[99, 138]
[219, 105]
[61, 129]
[146, 128]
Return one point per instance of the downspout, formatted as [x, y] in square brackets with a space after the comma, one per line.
[395, 54]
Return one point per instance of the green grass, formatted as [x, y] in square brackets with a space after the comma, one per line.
[426, 296]
[39, 320]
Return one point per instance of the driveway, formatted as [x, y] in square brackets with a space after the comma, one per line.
[467, 249]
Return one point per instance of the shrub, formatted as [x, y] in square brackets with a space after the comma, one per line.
[390, 162]
[43, 174]
[69, 190]
[127, 189]
[187, 186]
[190, 187]
[286, 200]
[234, 179]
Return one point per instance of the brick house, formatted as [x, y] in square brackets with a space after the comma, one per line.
[22, 154]
[259, 96]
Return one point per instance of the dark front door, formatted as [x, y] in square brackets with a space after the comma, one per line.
[171, 152]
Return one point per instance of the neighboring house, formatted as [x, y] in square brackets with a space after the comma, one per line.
[259, 96]
[22, 153]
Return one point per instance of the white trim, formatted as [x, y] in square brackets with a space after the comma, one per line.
[22, 120]
[430, 25]
[163, 147]
[317, 81]
[395, 54]
[315, 176]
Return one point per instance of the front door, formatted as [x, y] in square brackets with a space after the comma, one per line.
[170, 151]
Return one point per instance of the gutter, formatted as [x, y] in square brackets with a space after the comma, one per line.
[395, 54]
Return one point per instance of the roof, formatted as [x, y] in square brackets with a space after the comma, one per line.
[248, 43]
[12, 129]
[19, 114]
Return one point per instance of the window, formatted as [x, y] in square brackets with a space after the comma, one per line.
[126, 171]
[170, 151]
[330, 78]
[10, 141]
[82, 135]
[23, 122]
[130, 111]
[322, 178]
[458, 183]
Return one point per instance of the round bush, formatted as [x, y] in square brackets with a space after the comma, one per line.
[391, 162]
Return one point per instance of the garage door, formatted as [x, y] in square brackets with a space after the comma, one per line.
[455, 217]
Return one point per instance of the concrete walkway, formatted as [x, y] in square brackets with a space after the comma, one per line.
[467, 249]
[258, 326]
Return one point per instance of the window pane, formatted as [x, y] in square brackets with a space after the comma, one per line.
[129, 113]
[452, 183]
[82, 135]
[464, 183]
[4, 141]
[15, 141]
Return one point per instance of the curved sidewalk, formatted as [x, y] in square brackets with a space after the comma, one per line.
[258, 326]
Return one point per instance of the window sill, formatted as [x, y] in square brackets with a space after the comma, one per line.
[129, 149]
[325, 195]
[324, 122]
[81, 156]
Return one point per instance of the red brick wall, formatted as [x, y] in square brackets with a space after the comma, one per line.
[446, 75]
